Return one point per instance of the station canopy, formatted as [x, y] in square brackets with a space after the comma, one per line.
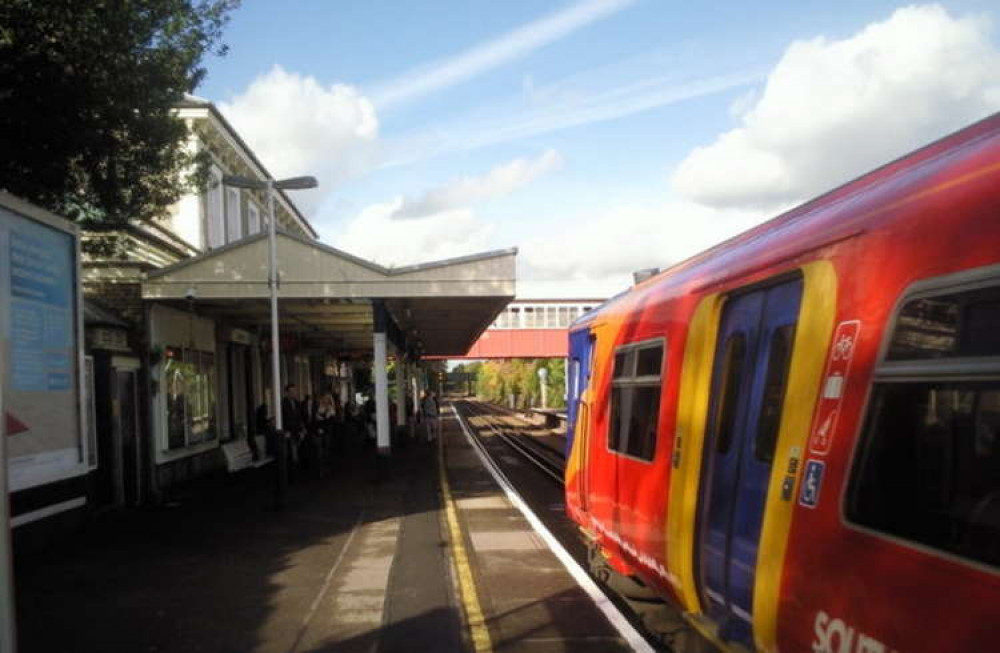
[330, 300]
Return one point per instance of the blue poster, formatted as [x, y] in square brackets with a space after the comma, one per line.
[41, 301]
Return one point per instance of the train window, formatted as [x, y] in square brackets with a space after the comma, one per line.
[945, 326]
[574, 377]
[980, 335]
[778, 359]
[616, 431]
[930, 469]
[621, 360]
[648, 361]
[928, 466]
[635, 399]
[732, 380]
[645, 410]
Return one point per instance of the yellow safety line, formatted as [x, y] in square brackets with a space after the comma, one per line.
[478, 631]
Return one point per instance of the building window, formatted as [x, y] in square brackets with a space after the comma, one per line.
[253, 219]
[213, 211]
[189, 383]
[928, 464]
[635, 399]
[234, 215]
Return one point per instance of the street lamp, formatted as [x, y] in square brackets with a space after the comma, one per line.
[293, 183]
[543, 378]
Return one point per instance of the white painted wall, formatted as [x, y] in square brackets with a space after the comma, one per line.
[186, 220]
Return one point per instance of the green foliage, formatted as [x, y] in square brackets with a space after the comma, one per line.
[86, 97]
[496, 380]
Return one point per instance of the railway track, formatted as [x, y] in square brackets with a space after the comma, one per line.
[550, 462]
[662, 627]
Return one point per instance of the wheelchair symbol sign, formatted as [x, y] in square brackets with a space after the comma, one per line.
[812, 482]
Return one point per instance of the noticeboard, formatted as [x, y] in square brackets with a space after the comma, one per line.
[40, 337]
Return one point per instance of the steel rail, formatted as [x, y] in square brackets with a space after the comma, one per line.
[503, 411]
[549, 468]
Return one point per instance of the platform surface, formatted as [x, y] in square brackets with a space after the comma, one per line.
[360, 560]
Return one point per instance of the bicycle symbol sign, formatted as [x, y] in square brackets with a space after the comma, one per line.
[844, 347]
[833, 387]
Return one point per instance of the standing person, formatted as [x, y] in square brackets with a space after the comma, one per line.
[291, 413]
[309, 440]
[429, 407]
[291, 418]
[261, 427]
[308, 406]
[326, 413]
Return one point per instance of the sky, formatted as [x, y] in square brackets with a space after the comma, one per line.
[599, 137]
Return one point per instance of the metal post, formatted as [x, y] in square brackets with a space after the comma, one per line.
[8, 639]
[543, 382]
[381, 395]
[415, 389]
[400, 389]
[281, 463]
[415, 382]
[272, 282]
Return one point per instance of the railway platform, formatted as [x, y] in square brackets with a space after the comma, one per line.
[427, 554]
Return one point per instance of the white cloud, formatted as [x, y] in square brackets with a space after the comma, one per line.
[582, 99]
[608, 246]
[498, 182]
[834, 109]
[297, 126]
[510, 46]
[375, 235]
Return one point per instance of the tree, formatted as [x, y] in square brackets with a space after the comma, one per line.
[87, 91]
[495, 379]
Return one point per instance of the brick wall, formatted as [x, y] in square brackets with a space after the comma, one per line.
[124, 298]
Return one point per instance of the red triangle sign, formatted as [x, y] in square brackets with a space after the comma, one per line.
[14, 425]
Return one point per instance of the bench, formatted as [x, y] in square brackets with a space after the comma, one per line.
[238, 454]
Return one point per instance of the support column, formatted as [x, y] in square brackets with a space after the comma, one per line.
[415, 399]
[381, 395]
[400, 389]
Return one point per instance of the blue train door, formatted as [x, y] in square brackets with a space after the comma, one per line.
[581, 352]
[748, 387]
[581, 346]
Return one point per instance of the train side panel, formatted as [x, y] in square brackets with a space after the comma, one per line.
[846, 561]
[893, 593]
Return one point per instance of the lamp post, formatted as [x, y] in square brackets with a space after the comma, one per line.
[269, 185]
[543, 378]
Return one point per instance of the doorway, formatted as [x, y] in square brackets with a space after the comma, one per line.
[240, 392]
[126, 454]
[756, 334]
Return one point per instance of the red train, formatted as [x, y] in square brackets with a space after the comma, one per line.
[795, 435]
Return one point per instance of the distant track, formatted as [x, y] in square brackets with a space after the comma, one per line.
[542, 496]
[552, 463]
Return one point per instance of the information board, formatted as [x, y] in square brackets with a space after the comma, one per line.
[39, 333]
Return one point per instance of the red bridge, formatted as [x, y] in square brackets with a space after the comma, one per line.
[535, 329]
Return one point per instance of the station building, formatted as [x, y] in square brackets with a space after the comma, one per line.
[177, 332]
